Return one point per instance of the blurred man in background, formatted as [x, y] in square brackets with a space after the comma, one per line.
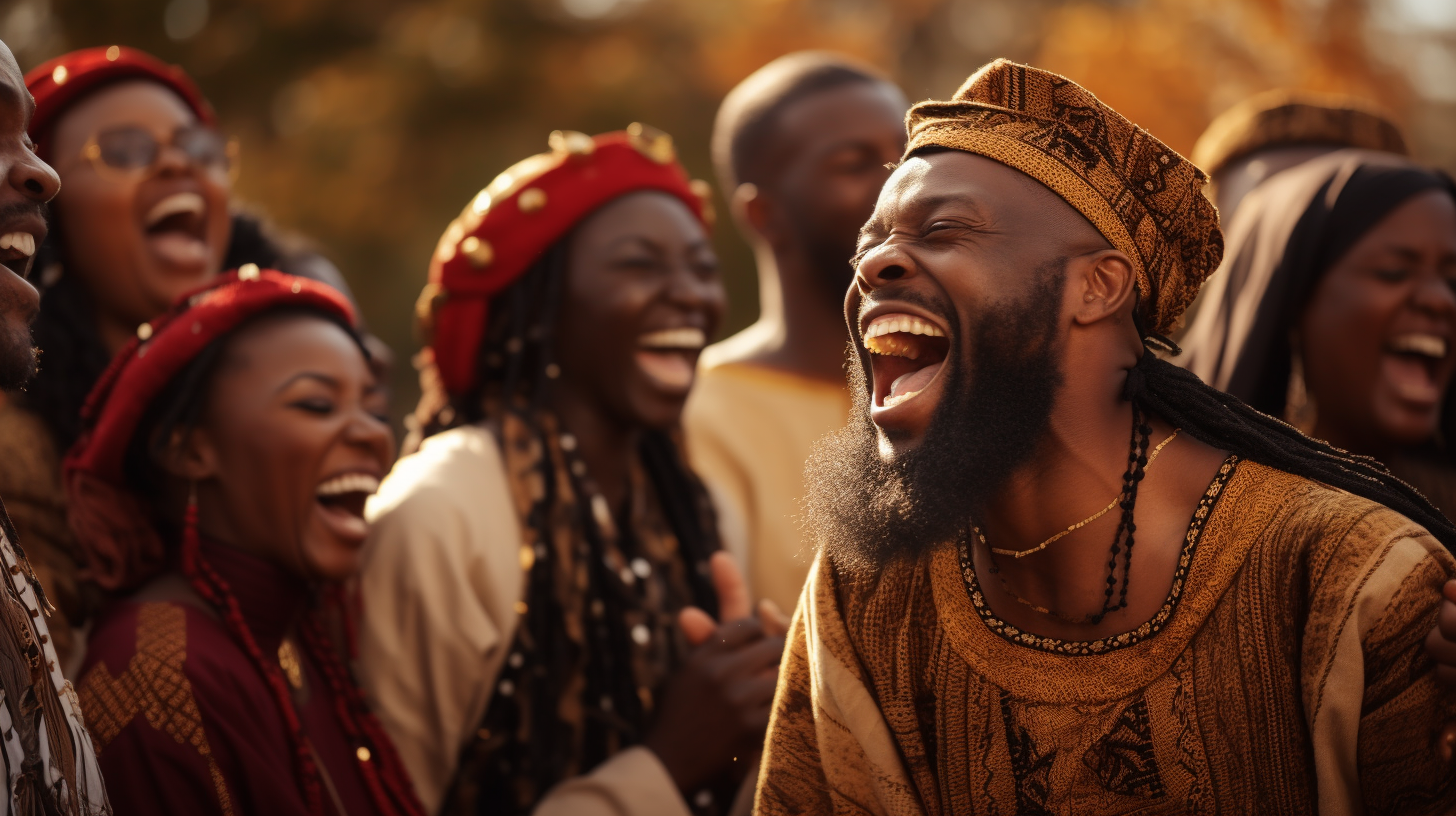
[801, 148]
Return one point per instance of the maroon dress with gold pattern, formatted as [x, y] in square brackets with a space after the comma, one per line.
[184, 721]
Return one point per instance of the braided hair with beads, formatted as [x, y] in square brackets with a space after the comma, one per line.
[522, 748]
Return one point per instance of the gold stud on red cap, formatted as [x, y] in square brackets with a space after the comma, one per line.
[531, 199]
[651, 142]
[480, 253]
[704, 191]
[571, 142]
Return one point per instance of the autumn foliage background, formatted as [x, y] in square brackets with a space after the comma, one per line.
[367, 124]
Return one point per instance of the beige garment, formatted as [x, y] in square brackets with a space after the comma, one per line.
[1286, 673]
[440, 584]
[749, 431]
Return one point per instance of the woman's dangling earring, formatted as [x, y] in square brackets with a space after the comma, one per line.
[1299, 406]
[191, 540]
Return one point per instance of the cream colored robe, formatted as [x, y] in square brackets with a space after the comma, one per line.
[749, 431]
[441, 579]
[1286, 673]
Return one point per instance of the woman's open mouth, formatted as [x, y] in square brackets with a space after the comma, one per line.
[906, 353]
[669, 357]
[176, 230]
[1416, 367]
[341, 499]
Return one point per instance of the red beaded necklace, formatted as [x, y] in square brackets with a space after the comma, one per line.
[384, 776]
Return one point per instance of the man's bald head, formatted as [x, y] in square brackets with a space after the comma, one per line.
[746, 134]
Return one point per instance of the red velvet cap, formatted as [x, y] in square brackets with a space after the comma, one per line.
[510, 224]
[57, 83]
[111, 522]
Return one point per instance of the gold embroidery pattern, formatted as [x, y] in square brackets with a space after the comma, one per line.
[1149, 628]
[153, 685]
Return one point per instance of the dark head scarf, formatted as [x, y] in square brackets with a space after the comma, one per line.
[1285, 237]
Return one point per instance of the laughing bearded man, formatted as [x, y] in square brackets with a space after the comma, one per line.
[1059, 575]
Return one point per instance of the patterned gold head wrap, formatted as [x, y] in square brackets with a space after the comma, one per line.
[1283, 118]
[1144, 198]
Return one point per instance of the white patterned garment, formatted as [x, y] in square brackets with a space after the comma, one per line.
[84, 792]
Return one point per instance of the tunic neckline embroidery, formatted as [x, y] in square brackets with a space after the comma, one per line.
[1152, 626]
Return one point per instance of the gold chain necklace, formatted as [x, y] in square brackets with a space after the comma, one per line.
[1084, 522]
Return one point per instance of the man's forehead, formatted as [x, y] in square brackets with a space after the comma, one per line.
[12, 81]
[949, 177]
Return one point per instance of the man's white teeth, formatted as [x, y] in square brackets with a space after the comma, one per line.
[1426, 345]
[22, 242]
[892, 401]
[176, 204]
[684, 338]
[348, 483]
[890, 324]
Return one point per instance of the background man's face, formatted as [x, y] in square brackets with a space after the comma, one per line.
[26, 184]
[841, 140]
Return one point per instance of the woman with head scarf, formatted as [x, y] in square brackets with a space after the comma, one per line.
[1335, 309]
[536, 568]
[218, 491]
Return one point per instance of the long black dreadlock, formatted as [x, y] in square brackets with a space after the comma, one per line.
[515, 372]
[1226, 422]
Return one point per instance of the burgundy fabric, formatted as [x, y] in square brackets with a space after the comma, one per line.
[573, 185]
[58, 83]
[148, 771]
[111, 523]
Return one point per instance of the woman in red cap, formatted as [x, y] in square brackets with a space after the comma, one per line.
[539, 570]
[218, 490]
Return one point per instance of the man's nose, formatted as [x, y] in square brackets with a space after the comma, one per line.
[33, 178]
[883, 264]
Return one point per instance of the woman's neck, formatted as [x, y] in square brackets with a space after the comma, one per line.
[604, 443]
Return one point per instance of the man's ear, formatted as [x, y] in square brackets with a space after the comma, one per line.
[751, 210]
[189, 454]
[1105, 283]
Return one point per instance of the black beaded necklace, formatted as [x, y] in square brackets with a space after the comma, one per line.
[1132, 477]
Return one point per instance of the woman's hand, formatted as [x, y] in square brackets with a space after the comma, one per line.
[716, 708]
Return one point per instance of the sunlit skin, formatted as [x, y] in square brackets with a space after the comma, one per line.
[291, 406]
[827, 163]
[1397, 281]
[954, 234]
[28, 184]
[131, 272]
[640, 264]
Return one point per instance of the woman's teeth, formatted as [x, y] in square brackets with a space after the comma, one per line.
[348, 483]
[1426, 345]
[22, 242]
[175, 204]
[683, 338]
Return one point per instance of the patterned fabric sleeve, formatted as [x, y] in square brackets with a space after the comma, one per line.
[829, 749]
[1404, 709]
[1371, 698]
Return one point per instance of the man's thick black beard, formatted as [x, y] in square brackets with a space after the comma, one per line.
[866, 512]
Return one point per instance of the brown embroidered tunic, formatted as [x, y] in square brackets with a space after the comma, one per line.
[1286, 673]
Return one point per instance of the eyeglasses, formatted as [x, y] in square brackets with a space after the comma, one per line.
[130, 150]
